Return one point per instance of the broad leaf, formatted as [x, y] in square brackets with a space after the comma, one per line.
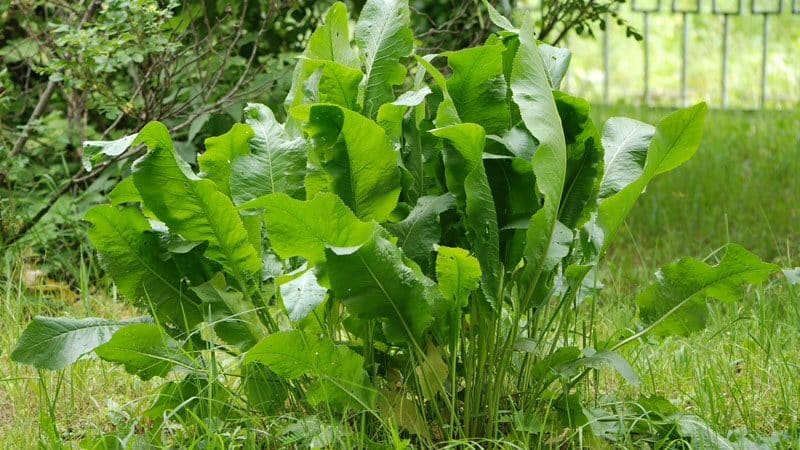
[329, 42]
[56, 342]
[131, 253]
[598, 360]
[295, 229]
[144, 349]
[202, 213]
[383, 35]
[301, 295]
[466, 178]
[356, 160]
[277, 162]
[374, 283]
[338, 371]
[676, 139]
[215, 163]
[676, 304]
[420, 230]
[124, 192]
[625, 142]
[478, 87]
[531, 91]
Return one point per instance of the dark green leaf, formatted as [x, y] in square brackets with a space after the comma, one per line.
[374, 283]
[131, 253]
[420, 230]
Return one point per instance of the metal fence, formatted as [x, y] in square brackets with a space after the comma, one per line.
[674, 20]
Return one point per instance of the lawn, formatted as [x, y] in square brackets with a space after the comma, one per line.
[739, 376]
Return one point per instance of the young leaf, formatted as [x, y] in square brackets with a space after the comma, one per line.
[676, 303]
[358, 160]
[556, 62]
[215, 163]
[234, 320]
[676, 139]
[466, 178]
[131, 254]
[202, 213]
[420, 230]
[329, 42]
[144, 349]
[334, 83]
[458, 274]
[383, 35]
[294, 227]
[625, 142]
[478, 87]
[95, 151]
[340, 377]
[277, 162]
[56, 342]
[446, 114]
[499, 19]
[374, 283]
[531, 91]
[301, 295]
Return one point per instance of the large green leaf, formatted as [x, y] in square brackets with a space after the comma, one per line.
[478, 87]
[676, 139]
[340, 377]
[56, 342]
[584, 160]
[131, 253]
[625, 142]
[531, 91]
[329, 42]
[356, 158]
[466, 179]
[190, 206]
[144, 349]
[420, 230]
[215, 163]
[383, 35]
[374, 283]
[277, 162]
[305, 228]
[301, 295]
[234, 319]
[676, 303]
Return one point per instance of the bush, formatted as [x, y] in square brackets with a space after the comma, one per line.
[387, 268]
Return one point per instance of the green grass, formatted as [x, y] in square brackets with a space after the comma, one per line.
[739, 376]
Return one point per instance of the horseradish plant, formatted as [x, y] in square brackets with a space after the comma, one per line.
[413, 260]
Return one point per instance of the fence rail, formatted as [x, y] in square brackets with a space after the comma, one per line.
[714, 20]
